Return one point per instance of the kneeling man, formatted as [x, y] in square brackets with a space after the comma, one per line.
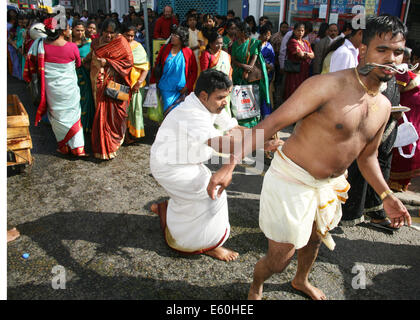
[191, 221]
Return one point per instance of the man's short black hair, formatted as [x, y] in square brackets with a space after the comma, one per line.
[210, 80]
[385, 23]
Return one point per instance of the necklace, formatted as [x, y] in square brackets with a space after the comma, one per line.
[369, 92]
[374, 107]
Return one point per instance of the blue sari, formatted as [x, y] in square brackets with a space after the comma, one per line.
[172, 81]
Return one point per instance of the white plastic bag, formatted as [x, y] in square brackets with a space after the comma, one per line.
[407, 134]
[151, 100]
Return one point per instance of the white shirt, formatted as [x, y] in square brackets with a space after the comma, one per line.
[283, 48]
[182, 137]
[345, 57]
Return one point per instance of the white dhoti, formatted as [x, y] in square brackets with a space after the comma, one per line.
[292, 199]
[195, 222]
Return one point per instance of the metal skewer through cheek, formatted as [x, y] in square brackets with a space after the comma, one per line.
[401, 69]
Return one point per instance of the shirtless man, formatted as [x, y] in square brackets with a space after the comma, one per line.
[341, 117]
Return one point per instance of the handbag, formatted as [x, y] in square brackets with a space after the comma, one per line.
[35, 89]
[291, 66]
[406, 135]
[256, 72]
[245, 101]
[117, 91]
[158, 69]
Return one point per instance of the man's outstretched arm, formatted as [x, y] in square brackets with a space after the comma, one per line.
[369, 167]
[310, 95]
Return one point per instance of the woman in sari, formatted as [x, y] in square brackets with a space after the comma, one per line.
[111, 60]
[403, 169]
[230, 36]
[215, 58]
[135, 124]
[22, 28]
[245, 52]
[179, 70]
[209, 26]
[55, 61]
[86, 98]
[267, 52]
[298, 50]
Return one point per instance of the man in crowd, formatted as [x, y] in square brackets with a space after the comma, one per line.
[230, 15]
[340, 117]
[275, 41]
[347, 56]
[163, 25]
[321, 47]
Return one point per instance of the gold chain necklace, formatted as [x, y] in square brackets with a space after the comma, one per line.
[372, 93]
[369, 92]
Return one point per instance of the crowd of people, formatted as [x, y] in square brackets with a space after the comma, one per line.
[94, 50]
[89, 74]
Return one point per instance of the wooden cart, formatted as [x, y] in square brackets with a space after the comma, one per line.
[19, 142]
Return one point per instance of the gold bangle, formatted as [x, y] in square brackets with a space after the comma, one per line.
[385, 194]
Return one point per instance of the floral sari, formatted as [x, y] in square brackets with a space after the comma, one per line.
[109, 123]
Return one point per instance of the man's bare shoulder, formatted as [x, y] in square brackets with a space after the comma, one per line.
[334, 81]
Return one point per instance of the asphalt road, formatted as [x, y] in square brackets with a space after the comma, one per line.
[86, 226]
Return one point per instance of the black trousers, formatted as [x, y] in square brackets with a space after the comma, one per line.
[362, 198]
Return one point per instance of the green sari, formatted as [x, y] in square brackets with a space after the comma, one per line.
[86, 98]
[135, 121]
[241, 54]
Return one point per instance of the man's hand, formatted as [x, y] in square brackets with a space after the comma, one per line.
[273, 144]
[221, 178]
[396, 212]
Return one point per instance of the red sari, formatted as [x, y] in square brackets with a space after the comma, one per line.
[109, 124]
[402, 169]
[294, 80]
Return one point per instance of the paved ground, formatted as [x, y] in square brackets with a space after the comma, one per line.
[93, 219]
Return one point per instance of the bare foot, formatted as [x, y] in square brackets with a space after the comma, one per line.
[255, 293]
[160, 210]
[223, 254]
[12, 234]
[310, 291]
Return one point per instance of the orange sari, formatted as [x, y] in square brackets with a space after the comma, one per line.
[109, 124]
